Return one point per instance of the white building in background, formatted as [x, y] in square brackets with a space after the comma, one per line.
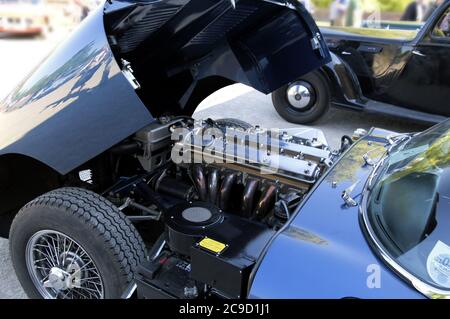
[41, 17]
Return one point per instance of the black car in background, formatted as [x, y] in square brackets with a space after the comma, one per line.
[398, 73]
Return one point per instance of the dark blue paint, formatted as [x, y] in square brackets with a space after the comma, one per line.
[74, 106]
[323, 252]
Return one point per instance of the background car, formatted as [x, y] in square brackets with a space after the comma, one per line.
[399, 73]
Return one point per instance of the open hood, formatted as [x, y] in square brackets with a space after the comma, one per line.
[182, 51]
[130, 62]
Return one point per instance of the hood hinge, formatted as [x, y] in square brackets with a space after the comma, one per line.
[316, 43]
[128, 73]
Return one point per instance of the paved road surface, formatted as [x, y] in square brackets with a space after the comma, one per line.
[19, 56]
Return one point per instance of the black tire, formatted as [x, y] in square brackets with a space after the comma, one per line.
[234, 123]
[98, 226]
[319, 105]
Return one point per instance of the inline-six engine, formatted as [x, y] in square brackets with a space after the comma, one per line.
[222, 158]
[222, 188]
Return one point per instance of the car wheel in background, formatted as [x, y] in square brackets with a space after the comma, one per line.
[304, 100]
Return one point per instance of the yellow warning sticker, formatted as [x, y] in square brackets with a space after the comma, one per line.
[212, 245]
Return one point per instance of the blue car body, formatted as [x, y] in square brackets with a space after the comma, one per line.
[323, 252]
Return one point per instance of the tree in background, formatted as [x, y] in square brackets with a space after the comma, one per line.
[384, 5]
[354, 14]
[393, 5]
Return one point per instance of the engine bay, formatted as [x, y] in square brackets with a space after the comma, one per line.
[209, 197]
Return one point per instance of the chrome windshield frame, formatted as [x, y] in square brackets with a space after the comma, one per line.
[424, 288]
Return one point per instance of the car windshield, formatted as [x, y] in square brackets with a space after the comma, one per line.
[408, 209]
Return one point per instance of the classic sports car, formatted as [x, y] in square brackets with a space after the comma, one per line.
[113, 189]
[398, 73]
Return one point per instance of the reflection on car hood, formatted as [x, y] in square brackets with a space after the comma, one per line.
[78, 102]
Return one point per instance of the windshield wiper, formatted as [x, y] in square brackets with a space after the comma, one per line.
[393, 141]
[375, 172]
[396, 140]
[368, 160]
[431, 225]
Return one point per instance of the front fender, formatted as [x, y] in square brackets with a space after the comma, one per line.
[343, 81]
[74, 106]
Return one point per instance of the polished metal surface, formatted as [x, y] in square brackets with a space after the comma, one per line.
[299, 154]
[299, 95]
[61, 269]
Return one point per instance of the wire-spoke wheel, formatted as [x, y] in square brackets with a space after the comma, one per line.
[74, 244]
[60, 268]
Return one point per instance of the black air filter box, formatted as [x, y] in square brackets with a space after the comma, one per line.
[187, 223]
[226, 254]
